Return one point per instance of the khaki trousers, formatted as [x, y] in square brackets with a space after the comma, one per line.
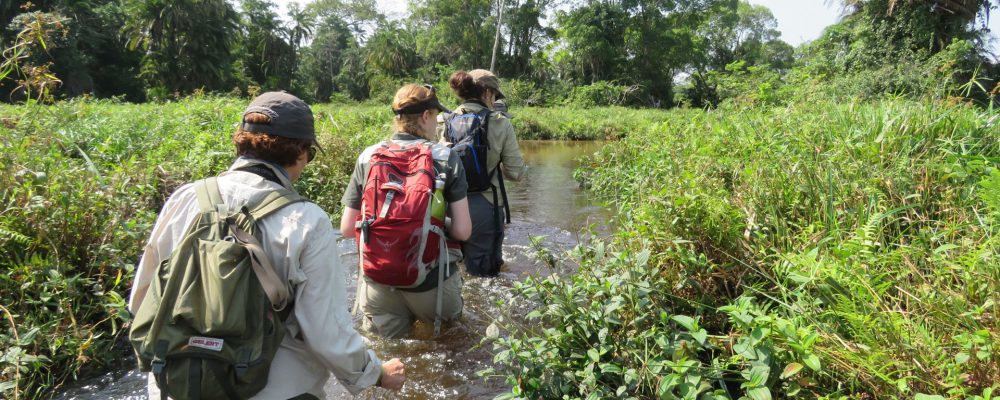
[391, 312]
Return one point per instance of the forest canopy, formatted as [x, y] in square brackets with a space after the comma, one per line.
[658, 53]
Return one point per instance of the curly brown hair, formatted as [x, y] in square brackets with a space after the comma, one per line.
[279, 150]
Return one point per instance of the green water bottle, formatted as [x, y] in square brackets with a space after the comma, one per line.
[437, 201]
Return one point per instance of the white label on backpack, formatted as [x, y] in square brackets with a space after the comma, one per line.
[206, 343]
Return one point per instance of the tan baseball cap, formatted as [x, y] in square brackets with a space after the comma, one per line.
[486, 79]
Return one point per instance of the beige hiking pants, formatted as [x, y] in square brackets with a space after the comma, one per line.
[391, 312]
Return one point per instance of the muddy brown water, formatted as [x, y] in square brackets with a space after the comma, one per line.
[547, 202]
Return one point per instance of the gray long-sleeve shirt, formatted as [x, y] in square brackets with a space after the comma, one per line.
[301, 243]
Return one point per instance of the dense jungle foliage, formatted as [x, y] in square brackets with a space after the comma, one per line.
[817, 221]
[780, 253]
[652, 53]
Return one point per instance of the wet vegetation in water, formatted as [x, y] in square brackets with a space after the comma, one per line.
[780, 252]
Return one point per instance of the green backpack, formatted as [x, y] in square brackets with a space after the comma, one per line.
[211, 320]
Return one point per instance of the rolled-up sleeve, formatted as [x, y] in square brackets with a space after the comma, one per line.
[510, 153]
[321, 310]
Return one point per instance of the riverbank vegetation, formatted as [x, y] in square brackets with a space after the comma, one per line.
[780, 252]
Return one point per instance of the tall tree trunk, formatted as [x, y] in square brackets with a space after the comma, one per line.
[496, 39]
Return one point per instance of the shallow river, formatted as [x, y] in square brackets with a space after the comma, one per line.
[546, 202]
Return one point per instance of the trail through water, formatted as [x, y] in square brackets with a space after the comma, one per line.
[546, 203]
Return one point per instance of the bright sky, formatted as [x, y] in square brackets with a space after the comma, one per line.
[798, 20]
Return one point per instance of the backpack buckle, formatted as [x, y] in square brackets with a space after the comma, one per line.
[158, 366]
[241, 369]
[365, 225]
[243, 363]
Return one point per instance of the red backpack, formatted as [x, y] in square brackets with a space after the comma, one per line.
[398, 237]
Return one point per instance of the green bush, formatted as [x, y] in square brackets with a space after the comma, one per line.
[604, 94]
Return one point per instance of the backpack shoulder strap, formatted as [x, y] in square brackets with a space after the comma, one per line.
[274, 201]
[484, 126]
[484, 114]
[207, 192]
[440, 152]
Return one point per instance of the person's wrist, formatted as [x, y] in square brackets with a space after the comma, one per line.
[381, 372]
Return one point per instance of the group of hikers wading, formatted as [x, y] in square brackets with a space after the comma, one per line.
[240, 292]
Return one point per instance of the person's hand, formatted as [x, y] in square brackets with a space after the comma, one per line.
[393, 374]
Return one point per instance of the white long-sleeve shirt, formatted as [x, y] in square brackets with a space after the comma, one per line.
[300, 242]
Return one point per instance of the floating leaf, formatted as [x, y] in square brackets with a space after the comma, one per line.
[493, 331]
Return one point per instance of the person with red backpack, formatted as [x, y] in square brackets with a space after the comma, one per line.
[406, 206]
[485, 141]
[196, 302]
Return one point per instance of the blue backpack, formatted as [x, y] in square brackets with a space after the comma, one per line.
[467, 135]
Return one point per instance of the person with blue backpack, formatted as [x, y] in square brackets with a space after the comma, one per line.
[240, 292]
[485, 141]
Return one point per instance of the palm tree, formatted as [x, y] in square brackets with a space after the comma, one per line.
[301, 25]
[391, 51]
[187, 43]
[964, 9]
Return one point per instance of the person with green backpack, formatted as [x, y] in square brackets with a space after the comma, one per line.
[239, 292]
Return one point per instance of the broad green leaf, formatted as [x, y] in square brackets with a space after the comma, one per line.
[642, 258]
[759, 393]
[790, 370]
[701, 336]
[812, 362]
[922, 396]
[685, 321]
[759, 375]
[962, 358]
[610, 368]
[759, 334]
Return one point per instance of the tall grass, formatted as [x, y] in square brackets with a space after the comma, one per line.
[826, 249]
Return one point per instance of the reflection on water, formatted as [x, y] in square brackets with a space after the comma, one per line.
[546, 202]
